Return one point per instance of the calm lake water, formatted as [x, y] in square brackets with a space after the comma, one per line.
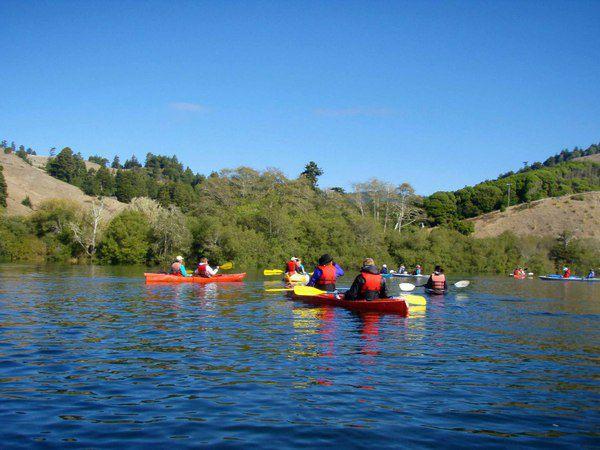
[93, 357]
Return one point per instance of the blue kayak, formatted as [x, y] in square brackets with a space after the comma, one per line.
[560, 278]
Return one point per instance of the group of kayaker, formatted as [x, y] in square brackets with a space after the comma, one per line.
[202, 270]
[294, 266]
[567, 273]
[520, 272]
[403, 271]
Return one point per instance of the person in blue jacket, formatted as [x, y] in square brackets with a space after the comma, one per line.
[326, 273]
[592, 274]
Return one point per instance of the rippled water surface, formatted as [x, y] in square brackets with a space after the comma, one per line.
[93, 357]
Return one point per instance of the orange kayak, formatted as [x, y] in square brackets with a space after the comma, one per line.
[387, 305]
[220, 278]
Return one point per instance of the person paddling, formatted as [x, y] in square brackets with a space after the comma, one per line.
[384, 270]
[369, 284]
[300, 267]
[566, 272]
[417, 270]
[204, 270]
[291, 266]
[437, 280]
[177, 268]
[325, 274]
[592, 274]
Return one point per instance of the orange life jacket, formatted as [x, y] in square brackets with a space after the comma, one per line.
[567, 274]
[176, 269]
[291, 267]
[372, 286]
[439, 281]
[327, 278]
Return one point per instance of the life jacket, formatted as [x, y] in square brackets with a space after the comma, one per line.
[370, 289]
[439, 280]
[517, 273]
[202, 270]
[291, 267]
[327, 279]
[567, 274]
[176, 268]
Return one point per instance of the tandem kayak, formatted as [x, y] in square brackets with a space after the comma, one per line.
[220, 278]
[559, 278]
[388, 305]
[436, 291]
[297, 278]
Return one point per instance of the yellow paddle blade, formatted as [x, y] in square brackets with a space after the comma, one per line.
[226, 266]
[415, 299]
[269, 272]
[307, 290]
[279, 290]
[417, 309]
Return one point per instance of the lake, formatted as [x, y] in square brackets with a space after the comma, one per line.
[93, 357]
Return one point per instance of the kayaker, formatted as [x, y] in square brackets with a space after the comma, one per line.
[177, 268]
[290, 266]
[300, 267]
[417, 270]
[437, 280]
[566, 272]
[204, 270]
[592, 274]
[326, 273]
[368, 285]
[384, 270]
[401, 269]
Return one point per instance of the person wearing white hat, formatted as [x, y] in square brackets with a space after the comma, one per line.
[177, 268]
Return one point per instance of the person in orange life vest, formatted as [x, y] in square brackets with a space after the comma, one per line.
[566, 272]
[204, 270]
[325, 274]
[177, 268]
[369, 284]
[291, 266]
[437, 280]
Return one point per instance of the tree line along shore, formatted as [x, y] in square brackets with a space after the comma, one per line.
[260, 218]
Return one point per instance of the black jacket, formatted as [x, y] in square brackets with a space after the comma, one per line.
[355, 290]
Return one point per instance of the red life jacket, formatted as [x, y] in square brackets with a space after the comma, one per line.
[517, 273]
[290, 267]
[176, 269]
[567, 274]
[202, 270]
[370, 290]
[438, 281]
[327, 278]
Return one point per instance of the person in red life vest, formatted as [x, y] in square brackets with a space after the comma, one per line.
[437, 280]
[325, 274]
[291, 266]
[204, 270]
[369, 284]
[177, 268]
[566, 272]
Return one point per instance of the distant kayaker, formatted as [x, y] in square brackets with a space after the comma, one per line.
[592, 274]
[291, 266]
[177, 268]
[566, 272]
[299, 266]
[325, 274]
[417, 270]
[369, 284]
[401, 269]
[384, 270]
[437, 280]
[204, 270]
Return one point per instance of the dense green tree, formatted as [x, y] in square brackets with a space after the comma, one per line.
[98, 160]
[116, 164]
[67, 166]
[127, 239]
[441, 207]
[312, 172]
[132, 163]
[3, 188]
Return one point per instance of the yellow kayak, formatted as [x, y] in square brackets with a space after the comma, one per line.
[296, 278]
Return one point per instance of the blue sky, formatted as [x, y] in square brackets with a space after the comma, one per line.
[438, 94]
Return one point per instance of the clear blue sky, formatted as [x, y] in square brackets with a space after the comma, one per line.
[393, 89]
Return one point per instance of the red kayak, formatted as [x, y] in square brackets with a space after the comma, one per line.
[388, 305]
[220, 278]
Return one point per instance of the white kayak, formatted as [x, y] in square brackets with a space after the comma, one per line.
[297, 278]
[559, 278]
[408, 275]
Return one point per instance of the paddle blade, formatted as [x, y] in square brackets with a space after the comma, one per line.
[462, 284]
[226, 266]
[279, 290]
[415, 300]
[307, 291]
[407, 287]
[270, 272]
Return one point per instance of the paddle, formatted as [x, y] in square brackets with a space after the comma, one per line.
[269, 272]
[226, 266]
[408, 287]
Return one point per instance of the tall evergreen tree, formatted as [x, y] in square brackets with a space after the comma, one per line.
[3, 188]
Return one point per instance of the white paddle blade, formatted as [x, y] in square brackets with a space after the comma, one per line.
[407, 287]
[462, 284]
